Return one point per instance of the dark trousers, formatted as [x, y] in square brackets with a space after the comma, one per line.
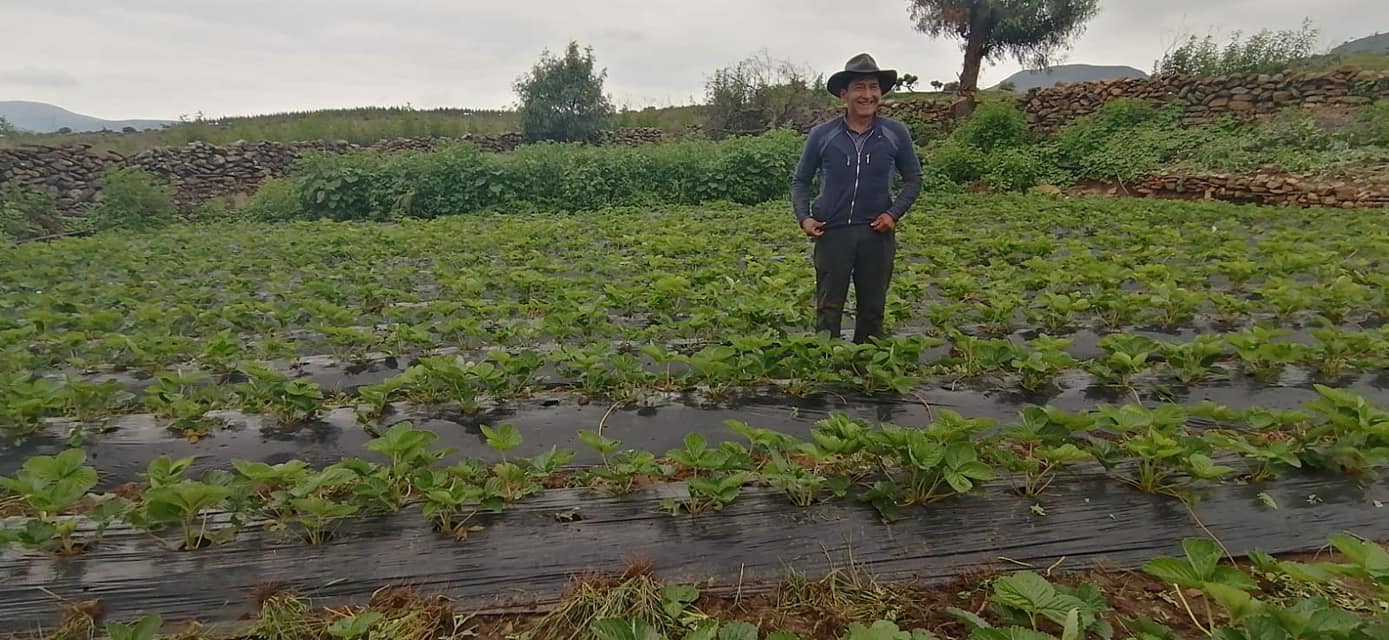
[859, 254]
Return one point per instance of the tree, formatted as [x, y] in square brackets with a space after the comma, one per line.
[7, 129]
[1029, 30]
[760, 93]
[562, 98]
[908, 81]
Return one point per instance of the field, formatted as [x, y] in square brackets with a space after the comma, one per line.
[1141, 404]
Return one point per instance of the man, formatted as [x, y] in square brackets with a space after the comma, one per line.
[853, 221]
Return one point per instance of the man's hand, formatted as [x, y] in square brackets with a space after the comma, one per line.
[884, 223]
[813, 227]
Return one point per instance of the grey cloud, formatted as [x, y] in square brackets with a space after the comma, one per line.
[174, 56]
[32, 77]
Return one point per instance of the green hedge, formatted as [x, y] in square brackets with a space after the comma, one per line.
[547, 176]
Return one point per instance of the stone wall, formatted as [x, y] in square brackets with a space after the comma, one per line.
[1207, 98]
[1203, 99]
[1272, 189]
[200, 171]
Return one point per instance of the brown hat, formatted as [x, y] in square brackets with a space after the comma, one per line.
[858, 65]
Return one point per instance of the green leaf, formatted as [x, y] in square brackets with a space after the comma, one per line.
[957, 482]
[977, 471]
[1174, 571]
[146, 629]
[1024, 590]
[1204, 468]
[1237, 602]
[1009, 633]
[971, 620]
[355, 626]
[1071, 629]
[503, 438]
[1203, 554]
[737, 630]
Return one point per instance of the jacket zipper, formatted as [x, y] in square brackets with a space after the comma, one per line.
[858, 163]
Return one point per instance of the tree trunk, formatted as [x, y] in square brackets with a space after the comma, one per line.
[974, 59]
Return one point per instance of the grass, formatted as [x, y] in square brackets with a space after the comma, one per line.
[361, 126]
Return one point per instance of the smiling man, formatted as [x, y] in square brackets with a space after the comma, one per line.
[854, 218]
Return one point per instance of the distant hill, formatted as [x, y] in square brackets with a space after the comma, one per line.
[1378, 43]
[1025, 80]
[40, 117]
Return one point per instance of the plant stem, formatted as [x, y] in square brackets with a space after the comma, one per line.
[1189, 613]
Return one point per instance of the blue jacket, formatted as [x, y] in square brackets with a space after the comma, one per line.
[856, 183]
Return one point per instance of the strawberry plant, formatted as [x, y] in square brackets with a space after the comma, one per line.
[408, 449]
[620, 470]
[1023, 601]
[290, 401]
[718, 476]
[1261, 352]
[1038, 447]
[446, 497]
[1126, 355]
[184, 504]
[1161, 451]
[1058, 311]
[1040, 361]
[931, 464]
[1192, 362]
[1353, 438]
[48, 486]
[1336, 349]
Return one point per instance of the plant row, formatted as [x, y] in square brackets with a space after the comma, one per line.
[887, 466]
[983, 266]
[1239, 604]
[1266, 599]
[801, 364]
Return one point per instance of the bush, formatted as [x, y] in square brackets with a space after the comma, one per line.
[546, 176]
[1124, 140]
[349, 186]
[755, 170]
[1372, 124]
[276, 200]
[1264, 52]
[994, 125]
[956, 162]
[27, 213]
[132, 199]
[1014, 169]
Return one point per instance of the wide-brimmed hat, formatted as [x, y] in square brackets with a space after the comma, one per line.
[858, 65]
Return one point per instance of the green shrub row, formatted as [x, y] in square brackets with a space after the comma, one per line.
[546, 176]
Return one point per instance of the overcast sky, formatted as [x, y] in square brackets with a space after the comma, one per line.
[121, 59]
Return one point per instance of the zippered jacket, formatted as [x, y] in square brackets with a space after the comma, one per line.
[856, 177]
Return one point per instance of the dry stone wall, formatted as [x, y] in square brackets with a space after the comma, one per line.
[200, 171]
[1272, 189]
[1204, 99]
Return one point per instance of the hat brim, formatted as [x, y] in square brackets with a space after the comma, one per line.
[887, 79]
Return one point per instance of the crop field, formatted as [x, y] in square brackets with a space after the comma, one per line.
[484, 405]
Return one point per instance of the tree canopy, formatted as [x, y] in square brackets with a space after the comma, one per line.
[562, 99]
[1032, 31]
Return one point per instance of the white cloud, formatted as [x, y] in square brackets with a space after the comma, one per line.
[164, 58]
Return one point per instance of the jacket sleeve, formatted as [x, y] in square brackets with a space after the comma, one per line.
[805, 172]
[910, 165]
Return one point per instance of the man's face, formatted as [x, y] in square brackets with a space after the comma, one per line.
[862, 95]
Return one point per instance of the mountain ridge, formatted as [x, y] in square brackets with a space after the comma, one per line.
[1033, 79]
[42, 117]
